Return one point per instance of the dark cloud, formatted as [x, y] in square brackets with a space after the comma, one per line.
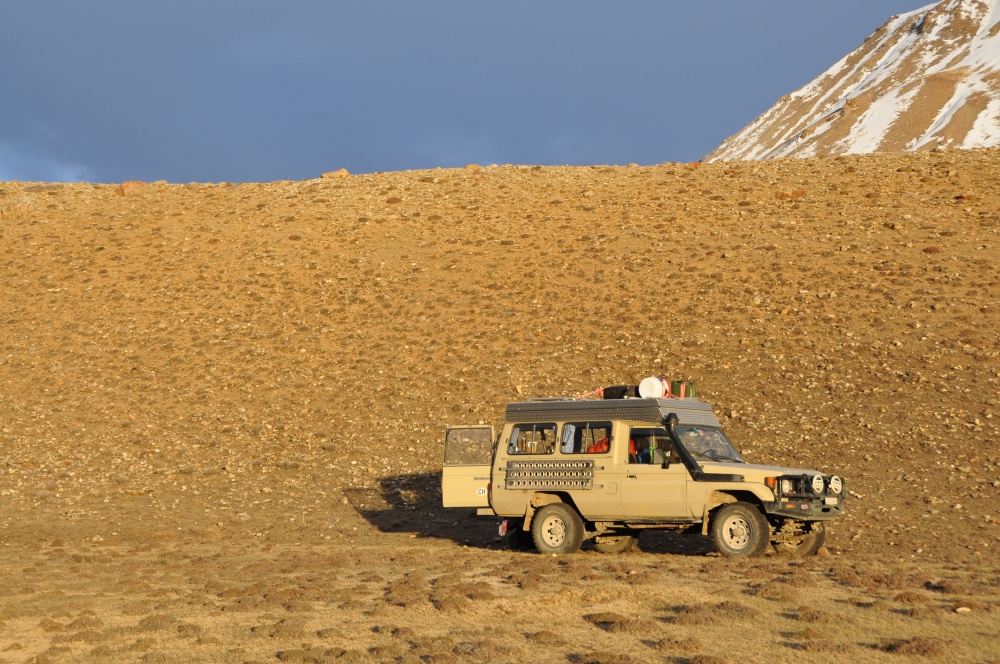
[252, 90]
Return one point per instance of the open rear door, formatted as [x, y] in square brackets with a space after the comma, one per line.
[468, 453]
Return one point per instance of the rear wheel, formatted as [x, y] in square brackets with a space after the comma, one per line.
[557, 528]
[739, 529]
[807, 545]
[616, 544]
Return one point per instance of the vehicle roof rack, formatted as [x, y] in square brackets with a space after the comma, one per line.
[689, 411]
[547, 399]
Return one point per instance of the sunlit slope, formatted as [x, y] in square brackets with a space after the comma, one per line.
[297, 339]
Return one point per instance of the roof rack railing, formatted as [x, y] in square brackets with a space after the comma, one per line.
[536, 399]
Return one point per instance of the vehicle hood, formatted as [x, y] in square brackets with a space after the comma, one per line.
[755, 469]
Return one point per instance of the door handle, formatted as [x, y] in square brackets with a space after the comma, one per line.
[631, 477]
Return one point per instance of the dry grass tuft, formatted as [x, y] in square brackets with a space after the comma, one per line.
[812, 634]
[402, 633]
[827, 645]
[810, 615]
[301, 655]
[800, 578]
[602, 658]
[949, 587]
[867, 602]
[435, 649]
[754, 573]
[286, 628]
[707, 659]
[84, 636]
[706, 614]
[50, 625]
[918, 646]
[388, 652]
[575, 567]
[86, 622]
[615, 622]
[411, 590]
[529, 581]
[189, 630]
[911, 597]
[677, 644]
[480, 650]
[449, 601]
[330, 633]
[543, 637]
[156, 622]
[776, 592]
[922, 612]
[873, 577]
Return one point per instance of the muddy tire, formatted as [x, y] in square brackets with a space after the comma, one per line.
[557, 528]
[808, 545]
[623, 544]
[740, 530]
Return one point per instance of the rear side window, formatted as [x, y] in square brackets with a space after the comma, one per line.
[586, 438]
[468, 446]
[532, 439]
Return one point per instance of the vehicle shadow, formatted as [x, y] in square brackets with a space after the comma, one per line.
[411, 504]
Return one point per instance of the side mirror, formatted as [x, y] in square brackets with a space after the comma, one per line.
[658, 456]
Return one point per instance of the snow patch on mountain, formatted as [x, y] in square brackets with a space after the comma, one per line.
[927, 78]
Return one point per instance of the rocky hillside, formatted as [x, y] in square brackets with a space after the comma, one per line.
[929, 78]
[271, 360]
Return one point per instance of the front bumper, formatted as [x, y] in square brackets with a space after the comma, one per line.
[812, 508]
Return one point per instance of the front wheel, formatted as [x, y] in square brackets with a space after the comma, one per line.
[807, 545]
[739, 529]
[557, 528]
[613, 544]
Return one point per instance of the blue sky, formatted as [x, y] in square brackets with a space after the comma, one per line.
[247, 90]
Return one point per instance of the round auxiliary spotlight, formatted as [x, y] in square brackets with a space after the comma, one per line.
[836, 484]
[817, 484]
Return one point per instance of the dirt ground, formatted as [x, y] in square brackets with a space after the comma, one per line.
[222, 408]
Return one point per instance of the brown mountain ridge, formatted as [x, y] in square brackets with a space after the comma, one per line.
[927, 78]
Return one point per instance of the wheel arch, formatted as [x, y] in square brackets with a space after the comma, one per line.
[721, 497]
[540, 499]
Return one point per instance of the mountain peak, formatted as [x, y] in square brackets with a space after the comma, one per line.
[928, 78]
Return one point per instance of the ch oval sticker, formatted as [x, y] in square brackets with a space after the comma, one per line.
[481, 491]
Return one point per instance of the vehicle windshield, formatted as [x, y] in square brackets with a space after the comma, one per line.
[707, 443]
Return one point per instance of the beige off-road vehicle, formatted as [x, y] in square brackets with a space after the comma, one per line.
[566, 470]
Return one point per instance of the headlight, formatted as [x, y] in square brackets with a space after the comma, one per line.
[817, 484]
[787, 486]
[836, 484]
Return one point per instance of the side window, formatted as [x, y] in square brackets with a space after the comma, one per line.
[586, 438]
[650, 445]
[532, 439]
[468, 446]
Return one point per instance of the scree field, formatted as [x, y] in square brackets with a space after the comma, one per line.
[222, 408]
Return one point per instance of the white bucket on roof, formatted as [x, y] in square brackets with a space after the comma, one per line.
[653, 387]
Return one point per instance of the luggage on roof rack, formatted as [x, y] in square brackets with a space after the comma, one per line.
[621, 392]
